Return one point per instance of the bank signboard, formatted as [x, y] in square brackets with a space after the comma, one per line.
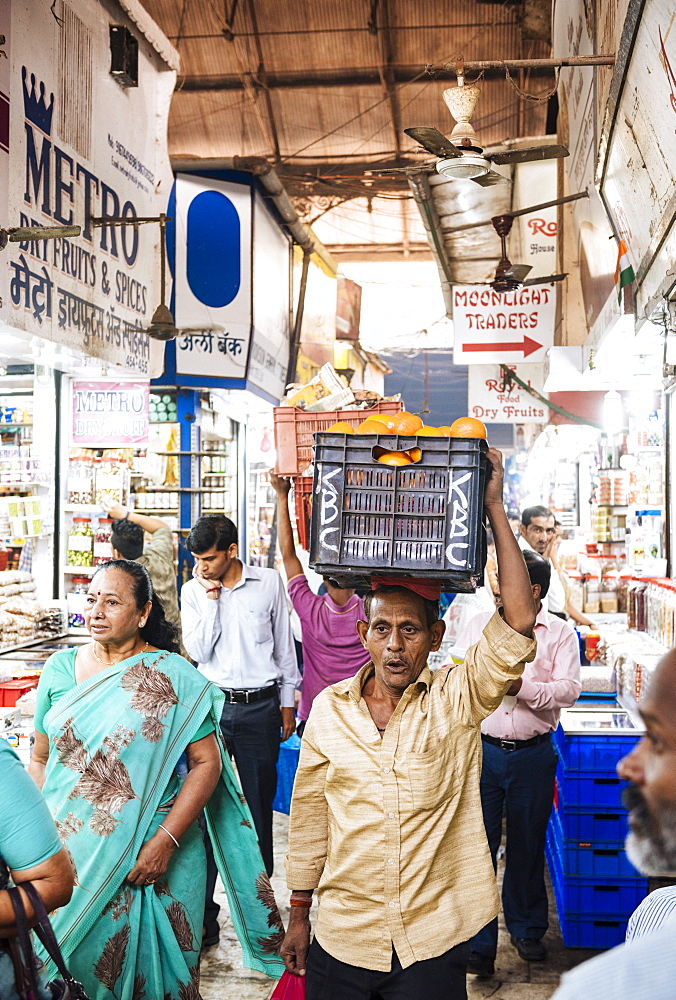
[232, 265]
[80, 147]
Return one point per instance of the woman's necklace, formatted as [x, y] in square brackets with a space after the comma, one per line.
[110, 664]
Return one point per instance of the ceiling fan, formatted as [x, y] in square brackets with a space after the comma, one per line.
[462, 156]
[511, 277]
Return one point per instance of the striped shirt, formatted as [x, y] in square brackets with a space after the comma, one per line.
[657, 907]
[391, 831]
[642, 969]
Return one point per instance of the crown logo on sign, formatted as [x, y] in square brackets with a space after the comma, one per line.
[35, 108]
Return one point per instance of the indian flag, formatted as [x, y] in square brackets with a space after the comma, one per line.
[624, 272]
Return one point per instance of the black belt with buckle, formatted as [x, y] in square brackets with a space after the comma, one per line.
[515, 744]
[247, 696]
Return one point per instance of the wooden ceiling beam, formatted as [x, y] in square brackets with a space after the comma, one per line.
[261, 77]
[390, 88]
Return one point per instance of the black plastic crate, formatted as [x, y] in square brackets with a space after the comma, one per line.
[425, 518]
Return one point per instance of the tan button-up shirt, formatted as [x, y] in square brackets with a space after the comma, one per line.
[391, 831]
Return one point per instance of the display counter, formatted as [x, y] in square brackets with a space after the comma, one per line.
[631, 655]
[20, 669]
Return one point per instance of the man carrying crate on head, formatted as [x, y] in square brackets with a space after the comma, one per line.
[386, 818]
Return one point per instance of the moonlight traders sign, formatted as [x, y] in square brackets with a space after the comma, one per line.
[494, 328]
[82, 147]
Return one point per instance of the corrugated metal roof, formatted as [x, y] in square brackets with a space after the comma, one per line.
[324, 89]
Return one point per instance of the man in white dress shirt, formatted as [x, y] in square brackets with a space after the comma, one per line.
[236, 626]
[537, 531]
[643, 969]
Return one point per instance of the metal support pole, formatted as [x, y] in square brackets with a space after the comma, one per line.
[523, 211]
[539, 63]
[295, 338]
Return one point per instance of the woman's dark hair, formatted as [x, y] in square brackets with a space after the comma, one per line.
[157, 631]
[127, 537]
[539, 571]
[212, 530]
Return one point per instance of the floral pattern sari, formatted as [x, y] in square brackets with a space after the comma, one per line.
[115, 740]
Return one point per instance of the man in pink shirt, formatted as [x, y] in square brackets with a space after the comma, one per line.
[517, 776]
[332, 649]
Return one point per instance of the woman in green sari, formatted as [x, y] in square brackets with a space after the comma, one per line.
[112, 720]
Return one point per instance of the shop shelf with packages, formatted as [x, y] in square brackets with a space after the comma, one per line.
[423, 517]
[93, 476]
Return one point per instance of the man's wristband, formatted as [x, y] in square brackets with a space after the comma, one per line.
[301, 897]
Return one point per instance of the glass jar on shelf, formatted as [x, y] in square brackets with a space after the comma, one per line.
[608, 594]
[75, 601]
[111, 480]
[102, 547]
[80, 548]
[80, 479]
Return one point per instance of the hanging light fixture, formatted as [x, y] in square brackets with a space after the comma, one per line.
[162, 324]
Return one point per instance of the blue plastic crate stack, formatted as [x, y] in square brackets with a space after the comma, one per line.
[596, 889]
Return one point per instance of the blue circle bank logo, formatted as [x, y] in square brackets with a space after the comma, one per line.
[213, 249]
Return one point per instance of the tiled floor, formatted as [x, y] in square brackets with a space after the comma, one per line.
[224, 979]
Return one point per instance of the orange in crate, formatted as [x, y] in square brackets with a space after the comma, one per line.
[370, 427]
[395, 458]
[407, 423]
[341, 427]
[468, 427]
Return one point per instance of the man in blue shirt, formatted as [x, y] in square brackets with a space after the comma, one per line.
[644, 969]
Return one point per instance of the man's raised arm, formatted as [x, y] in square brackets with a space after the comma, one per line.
[515, 587]
[292, 564]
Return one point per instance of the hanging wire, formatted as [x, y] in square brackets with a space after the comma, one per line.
[537, 99]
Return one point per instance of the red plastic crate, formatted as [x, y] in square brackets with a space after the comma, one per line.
[11, 691]
[294, 430]
[302, 493]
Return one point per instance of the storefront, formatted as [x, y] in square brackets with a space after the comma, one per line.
[82, 141]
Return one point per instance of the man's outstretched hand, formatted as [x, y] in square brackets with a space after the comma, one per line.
[494, 484]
